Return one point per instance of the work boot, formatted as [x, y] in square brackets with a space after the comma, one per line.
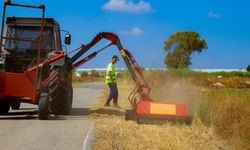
[116, 106]
[106, 104]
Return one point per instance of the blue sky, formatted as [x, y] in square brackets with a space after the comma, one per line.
[144, 25]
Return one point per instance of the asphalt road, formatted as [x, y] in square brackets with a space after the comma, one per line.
[21, 130]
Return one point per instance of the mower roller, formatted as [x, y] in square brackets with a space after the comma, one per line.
[34, 69]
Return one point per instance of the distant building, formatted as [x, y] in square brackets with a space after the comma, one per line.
[78, 74]
[101, 71]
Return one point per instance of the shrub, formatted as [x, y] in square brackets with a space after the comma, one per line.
[218, 73]
[126, 74]
[94, 73]
[84, 74]
[231, 74]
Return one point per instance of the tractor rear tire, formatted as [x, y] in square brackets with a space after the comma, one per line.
[61, 92]
[43, 107]
[4, 106]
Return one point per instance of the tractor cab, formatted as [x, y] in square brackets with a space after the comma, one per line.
[24, 39]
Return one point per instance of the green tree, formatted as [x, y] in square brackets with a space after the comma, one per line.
[179, 48]
[248, 68]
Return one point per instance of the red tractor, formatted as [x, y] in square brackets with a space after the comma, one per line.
[34, 69]
[24, 45]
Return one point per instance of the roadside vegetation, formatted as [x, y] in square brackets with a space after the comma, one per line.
[221, 114]
[248, 68]
[92, 76]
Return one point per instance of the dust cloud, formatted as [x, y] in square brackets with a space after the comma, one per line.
[177, 90]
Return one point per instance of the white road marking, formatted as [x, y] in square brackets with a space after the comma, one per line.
[87, 137]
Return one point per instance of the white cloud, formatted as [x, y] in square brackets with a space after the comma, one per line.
[133, 31]
[214, 15]
[127, 6]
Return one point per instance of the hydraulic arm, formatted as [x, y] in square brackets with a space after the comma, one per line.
[72, 62]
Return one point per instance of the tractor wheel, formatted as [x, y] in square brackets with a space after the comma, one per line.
[43, 107]
[4, 106]
[61, 93]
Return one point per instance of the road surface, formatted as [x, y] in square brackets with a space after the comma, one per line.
[21, 130]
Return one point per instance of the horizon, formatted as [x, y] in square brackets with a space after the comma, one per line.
[144, 25]
[194, 69]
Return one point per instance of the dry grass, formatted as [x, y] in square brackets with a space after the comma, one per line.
[86, 79]
[115, 133]
[221, 117]
[228, 112]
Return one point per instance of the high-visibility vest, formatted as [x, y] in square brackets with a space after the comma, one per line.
[108, 79]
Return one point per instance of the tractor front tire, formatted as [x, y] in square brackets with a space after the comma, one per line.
[61, 93]
[43, 107]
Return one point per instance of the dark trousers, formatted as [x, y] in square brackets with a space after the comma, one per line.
[113, 93]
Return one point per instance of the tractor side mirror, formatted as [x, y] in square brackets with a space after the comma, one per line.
[67, 39]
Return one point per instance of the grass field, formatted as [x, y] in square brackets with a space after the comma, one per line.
[221, 116]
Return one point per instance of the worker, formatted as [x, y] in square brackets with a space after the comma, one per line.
[111, 81]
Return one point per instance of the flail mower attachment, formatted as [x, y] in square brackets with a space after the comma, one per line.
[147, 110]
